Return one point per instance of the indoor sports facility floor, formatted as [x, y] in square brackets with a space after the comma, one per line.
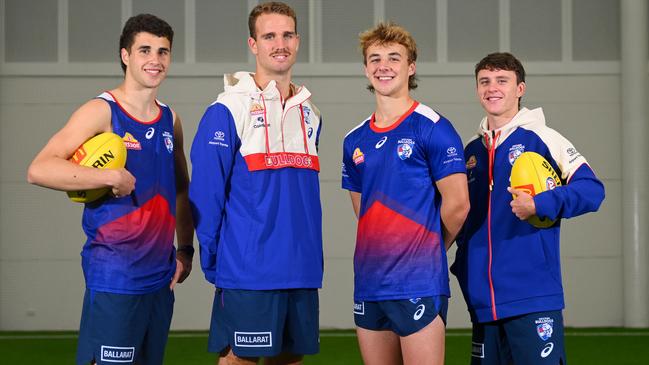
[593, 346]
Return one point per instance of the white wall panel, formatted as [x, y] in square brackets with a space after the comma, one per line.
[593, 296]
[41, 283]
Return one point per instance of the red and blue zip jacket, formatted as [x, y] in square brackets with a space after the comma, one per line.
[507, 267]
[254, 191]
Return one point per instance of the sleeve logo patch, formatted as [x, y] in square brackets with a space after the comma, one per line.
[219, 139]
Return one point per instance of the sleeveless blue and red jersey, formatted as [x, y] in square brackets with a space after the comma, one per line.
[129, 249]
[400, 251]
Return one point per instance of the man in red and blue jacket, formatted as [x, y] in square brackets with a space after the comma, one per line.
[509, 270]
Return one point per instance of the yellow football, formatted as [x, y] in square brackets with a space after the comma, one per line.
[533, 174]
[103, 151]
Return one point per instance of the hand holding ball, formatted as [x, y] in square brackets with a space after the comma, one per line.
[533, 174]
[103, 151]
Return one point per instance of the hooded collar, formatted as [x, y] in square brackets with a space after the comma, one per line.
[525, 118]
[242, 82]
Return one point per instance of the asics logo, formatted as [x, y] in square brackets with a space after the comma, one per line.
[149, 133]
[547, 350]
[380, 143]
[420, 312]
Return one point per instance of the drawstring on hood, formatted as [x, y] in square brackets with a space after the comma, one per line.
[242, 82]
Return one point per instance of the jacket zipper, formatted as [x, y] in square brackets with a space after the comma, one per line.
[491, 144]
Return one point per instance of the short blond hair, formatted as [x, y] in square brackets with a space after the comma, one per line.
[386, 33]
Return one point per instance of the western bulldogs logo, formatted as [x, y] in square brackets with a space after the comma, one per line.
[544, 327]
[168, 140]
[550, 183]
[515, 151]
[306, 112]
[404, 151]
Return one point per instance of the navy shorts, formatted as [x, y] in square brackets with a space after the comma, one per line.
[531, 339]
[256, 323]
[403, 316]
[124, 328]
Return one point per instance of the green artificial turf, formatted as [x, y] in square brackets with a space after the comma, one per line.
[618, 346]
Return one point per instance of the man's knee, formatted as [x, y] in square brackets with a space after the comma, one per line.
[227, 357]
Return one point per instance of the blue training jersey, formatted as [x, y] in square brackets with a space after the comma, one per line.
[129, 249]
[400, 251]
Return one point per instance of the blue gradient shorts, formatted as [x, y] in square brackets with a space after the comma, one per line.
[403, 316]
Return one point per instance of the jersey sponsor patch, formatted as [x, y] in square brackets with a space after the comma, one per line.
[359, 308]
[218, 139]
[256, 109]
[471, 162]
[544, 327]
[358, 156]
[259, 122]
[131, 143]
[477, 350]
[253, 339]
[573, 154]
[117, 354]
[515, 151]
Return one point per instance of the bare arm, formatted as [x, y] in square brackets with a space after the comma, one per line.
[184, 221]
[51, 168]
[356, 202]
[455, 205]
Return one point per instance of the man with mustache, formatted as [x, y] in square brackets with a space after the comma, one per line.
[256, 196]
